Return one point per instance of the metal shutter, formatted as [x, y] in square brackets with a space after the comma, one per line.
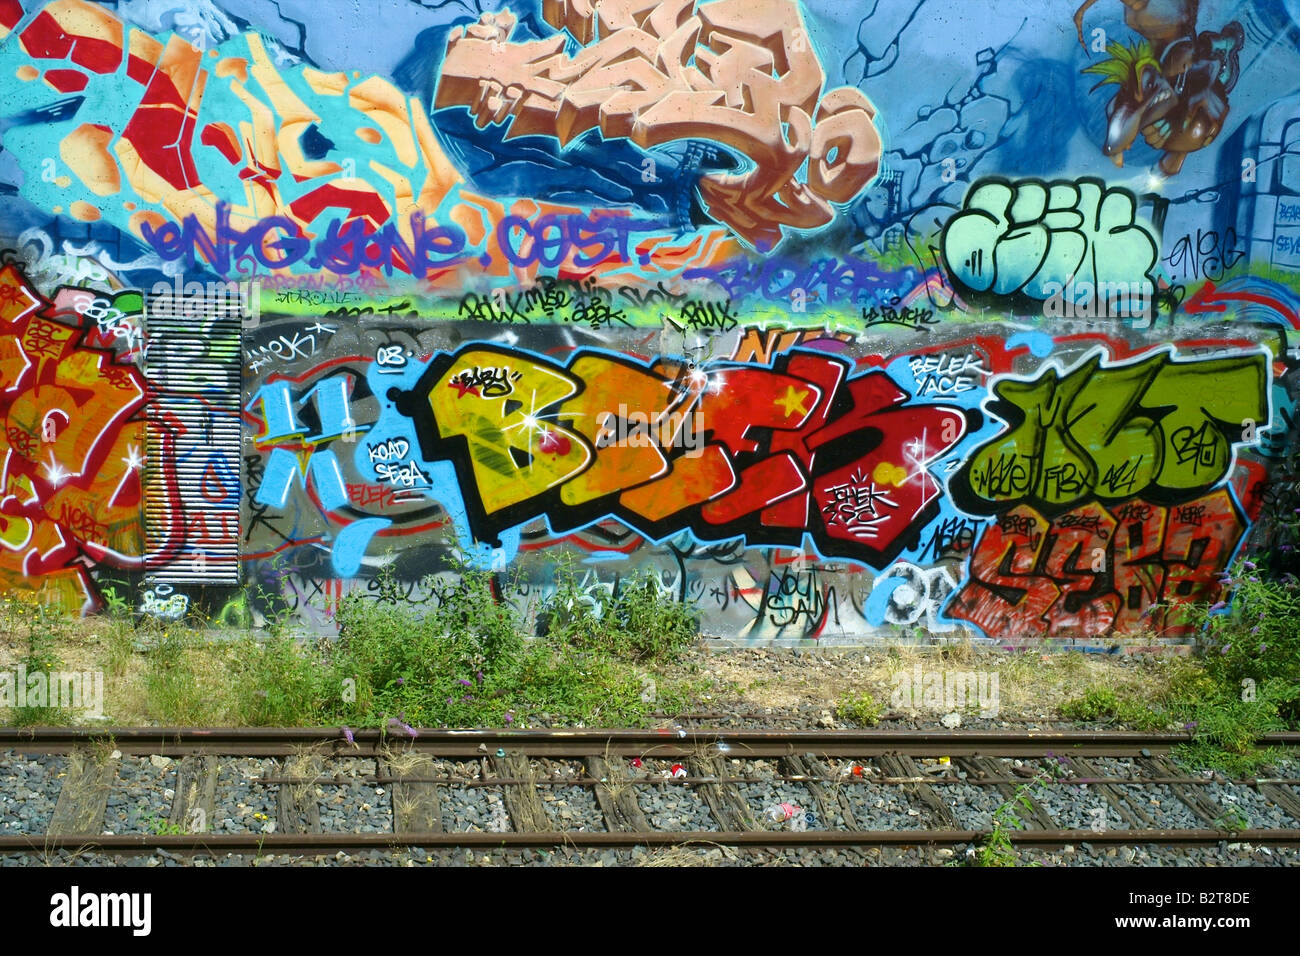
[192, 444]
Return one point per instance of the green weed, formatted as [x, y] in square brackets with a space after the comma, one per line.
[462, 660]
[183, 688]
[162, 827]
[997, 849]
[863, 709]
[1233, 820]
[36, 629]
[1104, 704]
[636, 620]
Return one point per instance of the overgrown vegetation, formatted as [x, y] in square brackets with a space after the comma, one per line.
[1245, 682]
[37, 630]
[639, 622]
[604, 656]
[1107, 705]
[459, 659]
[1254, 644]
[464, 661]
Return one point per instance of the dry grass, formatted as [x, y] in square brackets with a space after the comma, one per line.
[405, 763]
[1031, 685]
[308, 767]
[188, 685]
[684, 855]
[615, 782]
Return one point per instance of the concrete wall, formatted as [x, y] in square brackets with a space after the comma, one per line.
[849, 319]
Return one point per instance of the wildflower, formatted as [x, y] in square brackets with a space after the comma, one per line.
[1248, 565]
[1225, 648]
[1218, 606]
[1255, 629]
[1190, 725]
[401, 681]
[347, 732]
[461, 680]
[1262, 648]
[510, 718]
[396, 724]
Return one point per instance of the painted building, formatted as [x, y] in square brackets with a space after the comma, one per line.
[848, 319]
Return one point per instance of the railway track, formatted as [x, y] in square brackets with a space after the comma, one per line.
[627, 788]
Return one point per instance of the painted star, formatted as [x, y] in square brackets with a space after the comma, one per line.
[792, 402]
[54, 472]
[132, 459]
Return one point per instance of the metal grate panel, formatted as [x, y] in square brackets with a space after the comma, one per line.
[192, 446]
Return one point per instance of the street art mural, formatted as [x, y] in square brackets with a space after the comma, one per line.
[854, 322]
[74, 444]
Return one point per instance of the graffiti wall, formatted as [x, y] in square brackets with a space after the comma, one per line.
[849, 321]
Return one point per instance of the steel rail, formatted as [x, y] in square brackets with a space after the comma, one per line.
[315, 843]
[662, 743]
[863, 781]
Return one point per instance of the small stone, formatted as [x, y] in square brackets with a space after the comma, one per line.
[952, 721]
[162, 763]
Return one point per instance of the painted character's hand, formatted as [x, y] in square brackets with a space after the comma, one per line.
[1157, 133]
